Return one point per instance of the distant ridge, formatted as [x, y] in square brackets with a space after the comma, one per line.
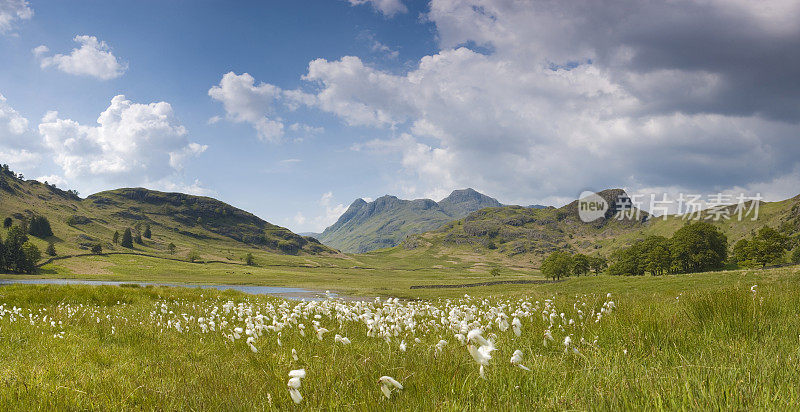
[388, 220]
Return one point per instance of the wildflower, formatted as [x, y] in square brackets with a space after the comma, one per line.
[516, 360]
[753, 288]
[250, 341]
[402, 346]
[294, 384]
[387, 384]
[517, 326]
[294, 355]
[483, 352]
[320, 332]
[547, 336]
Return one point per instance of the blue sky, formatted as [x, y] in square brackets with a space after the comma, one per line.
[328, 101]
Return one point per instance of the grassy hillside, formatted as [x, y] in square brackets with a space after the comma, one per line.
[215, 230]
[387, 221]
[525, 234]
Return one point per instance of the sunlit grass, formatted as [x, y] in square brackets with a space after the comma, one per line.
[720, 346]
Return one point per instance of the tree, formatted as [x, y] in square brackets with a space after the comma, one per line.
[657, 255]
[116, 237]
[147, 233]
[249, 260]
[97, 248]
[557, 265]
[629, 261]
[580, 264]
[51, 249]
[7, 222]
[796, 255]
[768, 246]
[193, 256]
[138, 239]
[40, 227]
[31, 255]
[127, 238]
[698, 247]
[171, 248]
[597, 264]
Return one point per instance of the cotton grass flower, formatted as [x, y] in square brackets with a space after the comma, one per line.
[516, 360]
[480, 348]
[294, 384]
[388, 384]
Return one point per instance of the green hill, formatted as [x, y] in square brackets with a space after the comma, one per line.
[527, 235]
[387, 221]
[213, 229]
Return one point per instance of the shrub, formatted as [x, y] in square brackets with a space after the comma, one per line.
[97, 248]
[193, 256]
[127, 238]
[51, 249]
[40, 227]
[249, 260]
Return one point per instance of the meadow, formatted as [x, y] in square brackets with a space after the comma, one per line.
[719, 340]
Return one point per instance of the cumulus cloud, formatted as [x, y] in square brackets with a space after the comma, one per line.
[12, 11]
[258, 105]
[386, 7]
[131, 143]
[11, 122]
[93, 58]
[544, 99]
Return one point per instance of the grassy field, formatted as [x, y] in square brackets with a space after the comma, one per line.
[702, 341]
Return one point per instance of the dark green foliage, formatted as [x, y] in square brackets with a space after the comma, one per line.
[698, 247]
[557, 265]
[7, 222]
[495, 272]
[796, 255]
[249, 260]
[40, 227]
[127, 238]
[97, 248]
[629, 261]
[17, 255]
[51, 249]
[171, 248]
[138, 239]
[580, 264]
[116, 237]
[658, 255]
[765, 247]
[597, 264]
[147, 233]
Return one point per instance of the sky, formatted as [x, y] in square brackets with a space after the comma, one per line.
[293, 109]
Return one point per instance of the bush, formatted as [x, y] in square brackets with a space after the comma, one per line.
[51, 249]
[40, 227]
[171, 248]
[193, 256]
[249, 260]
[7, 222]
[97, 248]
[147, 233]
[796, 255]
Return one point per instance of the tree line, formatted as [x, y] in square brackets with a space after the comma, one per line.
[695, 247]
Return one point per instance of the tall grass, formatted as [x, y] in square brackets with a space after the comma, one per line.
[721, 348]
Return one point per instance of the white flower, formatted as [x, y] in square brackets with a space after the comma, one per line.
[294, 355]
[516, 360]
[403, 346]
[517, 326]
[294, 384]
[387, 384]
[250, 342]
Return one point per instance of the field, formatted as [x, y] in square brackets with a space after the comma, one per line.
[702, 341]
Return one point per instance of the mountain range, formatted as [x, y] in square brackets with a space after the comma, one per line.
[388, 220]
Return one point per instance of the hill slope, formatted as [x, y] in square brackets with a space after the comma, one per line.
[387, 221]
[193, 223]
[527, 234]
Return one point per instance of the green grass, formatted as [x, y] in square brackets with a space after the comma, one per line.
[702, 341]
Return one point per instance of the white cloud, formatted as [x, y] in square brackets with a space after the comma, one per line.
[12, 11]
[132, 143]
[258, 105]
[11, 122]
[93, 58]
[52, 179]
[299, 218]
[387, 7]
[552, 97]
[244, 101]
